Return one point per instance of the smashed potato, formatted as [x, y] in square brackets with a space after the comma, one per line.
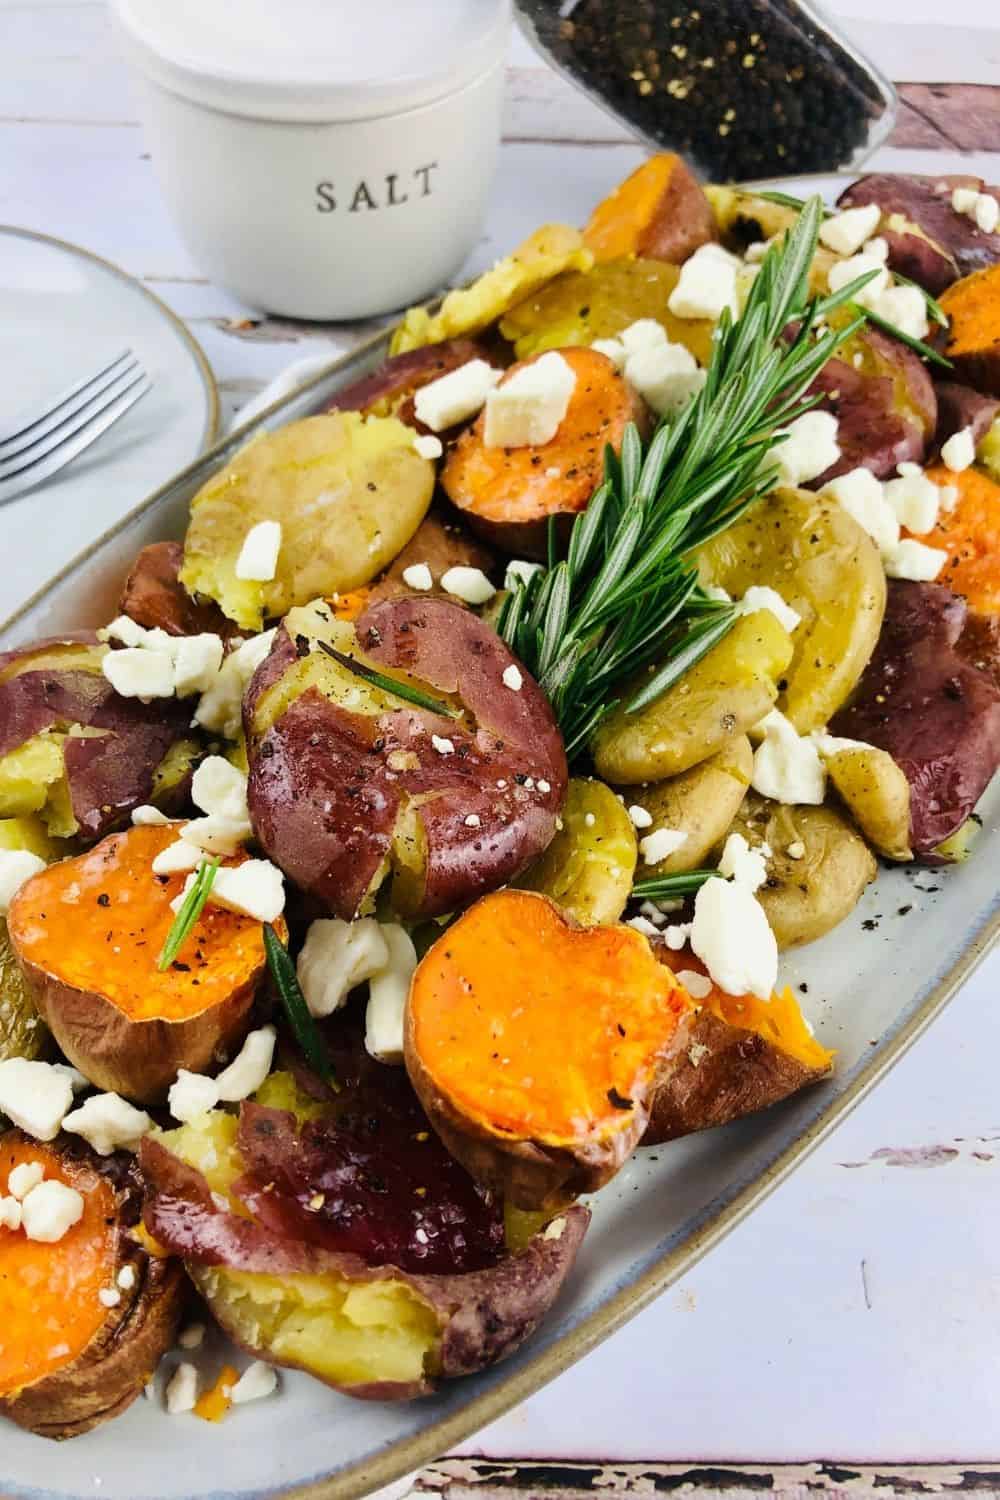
[589, 865]
[877, 795]
[701, 803]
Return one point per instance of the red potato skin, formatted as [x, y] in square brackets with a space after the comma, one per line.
[954, 246]
[390, 389]
[440, 542]
[324, 799]
[483, 1315]
[938, 715]
[111, 1372]
[960, 406]
[155, 598]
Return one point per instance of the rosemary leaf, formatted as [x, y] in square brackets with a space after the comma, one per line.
[300, 1018]
[924, 350]
[786, 200]
[665, 887]
[387, 684]
[188, 913]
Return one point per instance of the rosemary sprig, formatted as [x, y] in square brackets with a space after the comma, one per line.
[665, 887]
[925, 351]
[626, 595]
[188, 913]
[786, 200]
[389, 684]
[300, 1018]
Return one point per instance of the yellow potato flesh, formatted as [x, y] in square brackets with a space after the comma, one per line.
[877, 795]
[348, 492]
[588, 867]
[700, 803]
[826, 567]
[715, 702]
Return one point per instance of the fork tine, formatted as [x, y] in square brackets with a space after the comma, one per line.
[32, 424]
[75, 445]
[35, 452]
[69, 409]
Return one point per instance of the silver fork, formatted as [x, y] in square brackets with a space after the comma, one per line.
[40, 443]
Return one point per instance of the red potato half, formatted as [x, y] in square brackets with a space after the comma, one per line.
[155, 598]
[928, 240]
[536, 1046]
[67, 1362]
[351, 785]
[389, 390]
[359, 1252]
[87, 933]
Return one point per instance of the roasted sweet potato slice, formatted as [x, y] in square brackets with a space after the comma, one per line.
[68, 1362]
[659, 211]
[973, 346]
[353, 1246]
[969, 533]
[87, 933]
[155, 598]
[535, 1045]
[350, 783]
[740, 1055]
[508, 495]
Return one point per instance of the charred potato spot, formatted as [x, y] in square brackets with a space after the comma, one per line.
[588, 867]
[713, 704]
[700, 803]
[806, 897]
[820, 561]
[877, 795]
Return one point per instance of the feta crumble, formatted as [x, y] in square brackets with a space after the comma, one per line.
[428, 446]
[809, 448]
[50, 1210]
[388, 989]
[107, 1122]
[24, 1177]
[847, 231]
[660, 844]
[640, 817]
[698, 985]
[762, 596]
[916, 561]
[454, 397]
[527, 409]
[181, 1393]
[469, 584]
[191, 1095]
[959, 451]
[34, 1096]
[16, 867]
[257, 1381]
[442, 745]
[787, 767]
[706, 284]
[249, 1067]
[336, 956]
[731, 936]
[418, 576]
[513, 678]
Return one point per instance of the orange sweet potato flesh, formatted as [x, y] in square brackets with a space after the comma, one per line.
[973, 309]
[87, 933]
[535, 1045]
[508, 494]
[659, 211]
[741, 1054]
[969, 534]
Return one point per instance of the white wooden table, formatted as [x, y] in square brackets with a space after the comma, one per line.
[847, 1336]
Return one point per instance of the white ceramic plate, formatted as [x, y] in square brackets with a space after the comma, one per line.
[64, 313]
[873, 985]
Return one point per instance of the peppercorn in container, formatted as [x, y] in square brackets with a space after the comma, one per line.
[743, 88]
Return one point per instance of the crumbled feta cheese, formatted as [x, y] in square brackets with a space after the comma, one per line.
[915, 560]
[220, 709]
[915, 499]
[387, 992]
[666, 376]
[677, 935]
[177, 858]
[810, 446]
[787, 767]
[986, 212]
[612, 349]
[126, 1278]
[23, 1178]
[335, 957]
[418, 576]
[109, 1296]
[255, 888]
[16, 866]
[660, 844]
[706, 284]
[698, 985]
[847, 231]
[249, 1067]
[519, 571]
[197, 662]
[258, 557]
[905, 307]
[136, 673]
[220, 789]
[257, 1381]
[428, 446]
[125, 630]
[513, 678]
[454, 397]
[652, 913]
[192, 1336]
[963, 200]
[862, 496]
[442, 745]
[543, 786]
[10, 1213]
[644, 333]
[878, 247]
[731, 936]
[191, 1095]
[148, 817]
[527, 408]
[109, 1123]
[215, 835]
[741, 863]
[50, 1210]
[181, 1393]
[762, 596]
[472, 820]
[844, 271]
[959, 451]
[643, 925]
[640, 817]
[796, 849]
[34, 1097]
[468, 584]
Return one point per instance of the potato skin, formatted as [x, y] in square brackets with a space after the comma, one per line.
[389, 390]
[934, 245]
[155, 598]
[119, 1360]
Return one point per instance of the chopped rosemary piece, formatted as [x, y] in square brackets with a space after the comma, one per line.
[924, 350]
[664, 887]
[626, 596]
[300, 1018]
[190, 910]
[786, 200]
[389, 684]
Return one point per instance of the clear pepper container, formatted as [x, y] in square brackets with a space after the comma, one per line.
[741, 88]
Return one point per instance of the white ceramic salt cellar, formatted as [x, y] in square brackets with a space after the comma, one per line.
[322, 159]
